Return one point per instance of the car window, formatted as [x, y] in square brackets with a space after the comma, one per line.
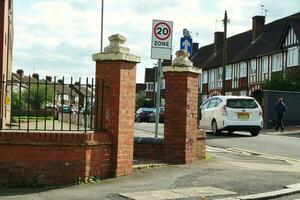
[241, 103]
[212, 103]
[218, 101]
[205, 105]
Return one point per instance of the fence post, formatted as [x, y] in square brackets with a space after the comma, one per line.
[117, 68]
[181, 109]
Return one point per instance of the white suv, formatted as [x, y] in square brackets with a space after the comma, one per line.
[231, 113]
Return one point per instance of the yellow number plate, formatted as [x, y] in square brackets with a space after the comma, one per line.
[243, 116]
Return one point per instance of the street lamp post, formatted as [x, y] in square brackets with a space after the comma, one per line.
[102, 10]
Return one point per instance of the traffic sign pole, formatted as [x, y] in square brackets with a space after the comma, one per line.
[158, 80]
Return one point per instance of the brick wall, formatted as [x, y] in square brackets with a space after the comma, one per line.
[148, 148]
[180, 130]
[53, 158]
[120, 76]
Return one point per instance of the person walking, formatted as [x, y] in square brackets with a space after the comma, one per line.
[280, 110]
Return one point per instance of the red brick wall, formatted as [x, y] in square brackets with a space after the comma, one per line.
[149, 151]
[243, 83]
[180, 128]
[119, 110]
[53, 158]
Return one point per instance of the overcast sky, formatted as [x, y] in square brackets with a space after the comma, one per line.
[58, 37]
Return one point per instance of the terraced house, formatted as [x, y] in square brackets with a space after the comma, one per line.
[252, 57]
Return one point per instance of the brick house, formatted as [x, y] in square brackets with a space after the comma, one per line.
[253, 56]
[150, 77]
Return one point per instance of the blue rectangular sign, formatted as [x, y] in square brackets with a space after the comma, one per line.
[186, 44]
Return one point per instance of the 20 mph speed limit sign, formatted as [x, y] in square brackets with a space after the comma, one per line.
[161, 47]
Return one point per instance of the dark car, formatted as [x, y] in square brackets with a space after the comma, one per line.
[161, 115]
[142, 114]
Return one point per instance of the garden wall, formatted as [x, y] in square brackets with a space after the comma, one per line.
[53, 158]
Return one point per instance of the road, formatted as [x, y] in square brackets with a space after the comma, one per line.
[279, 144]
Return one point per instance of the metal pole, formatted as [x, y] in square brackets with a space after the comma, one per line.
[158, 96]
[102, 10]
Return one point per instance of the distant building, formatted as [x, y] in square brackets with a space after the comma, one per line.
[140, 87]
[252, 56]
[150, 81]
[6, 49]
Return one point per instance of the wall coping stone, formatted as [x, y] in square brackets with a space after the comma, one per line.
[148, 140]
[44, 138]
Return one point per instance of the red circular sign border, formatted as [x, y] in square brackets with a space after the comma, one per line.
[165, 25]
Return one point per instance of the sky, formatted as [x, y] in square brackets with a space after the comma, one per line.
[58, 37]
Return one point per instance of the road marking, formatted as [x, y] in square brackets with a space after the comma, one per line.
[290, 189]
[239, 150]
[200, 192]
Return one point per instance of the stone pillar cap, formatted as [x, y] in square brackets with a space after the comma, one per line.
[116, 50]
[182, 59]
[182, 63]
[116, 45]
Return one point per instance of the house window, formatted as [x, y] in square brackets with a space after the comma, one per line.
[149, 86]
[276, 62]
[204, 77]
[264, 62]
[253, 67]
[293, 56]
[212, 78]
[219, 74]
[243, 69]
[163, 84]
[228, 72]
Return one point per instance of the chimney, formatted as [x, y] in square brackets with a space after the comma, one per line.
[218, 44]
[48, 78]
[35, 75]
[195, 48]
[258, 26]
[20, 72]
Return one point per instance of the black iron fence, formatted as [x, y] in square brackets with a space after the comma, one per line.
[53, 104]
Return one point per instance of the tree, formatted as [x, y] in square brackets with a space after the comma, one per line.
[140, 99]
[290, 82]
[36, 97]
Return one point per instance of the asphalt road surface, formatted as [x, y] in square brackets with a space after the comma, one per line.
[273, 143]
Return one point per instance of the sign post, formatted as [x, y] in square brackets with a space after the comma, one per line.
[161, 49]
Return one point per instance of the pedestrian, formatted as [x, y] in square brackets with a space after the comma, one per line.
[280, 110]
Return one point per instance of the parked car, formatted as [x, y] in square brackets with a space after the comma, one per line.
[161, 115]
[142, 114]
[231, 113]
[65, 109]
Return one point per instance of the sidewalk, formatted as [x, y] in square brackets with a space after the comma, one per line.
[288, 130]
[222, 174]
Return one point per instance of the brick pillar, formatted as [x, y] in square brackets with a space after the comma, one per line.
[117, 68]
[181, 96]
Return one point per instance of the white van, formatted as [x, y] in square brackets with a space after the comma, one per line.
[231, 113]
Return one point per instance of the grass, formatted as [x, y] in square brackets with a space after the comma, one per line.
[31, 118]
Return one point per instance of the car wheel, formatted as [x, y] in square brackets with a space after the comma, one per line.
[138, 119]
[254, 133]
[214, 128]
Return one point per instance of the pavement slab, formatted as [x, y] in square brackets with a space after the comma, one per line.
[177, 193]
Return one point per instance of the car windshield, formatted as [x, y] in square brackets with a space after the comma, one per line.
[241, 103]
